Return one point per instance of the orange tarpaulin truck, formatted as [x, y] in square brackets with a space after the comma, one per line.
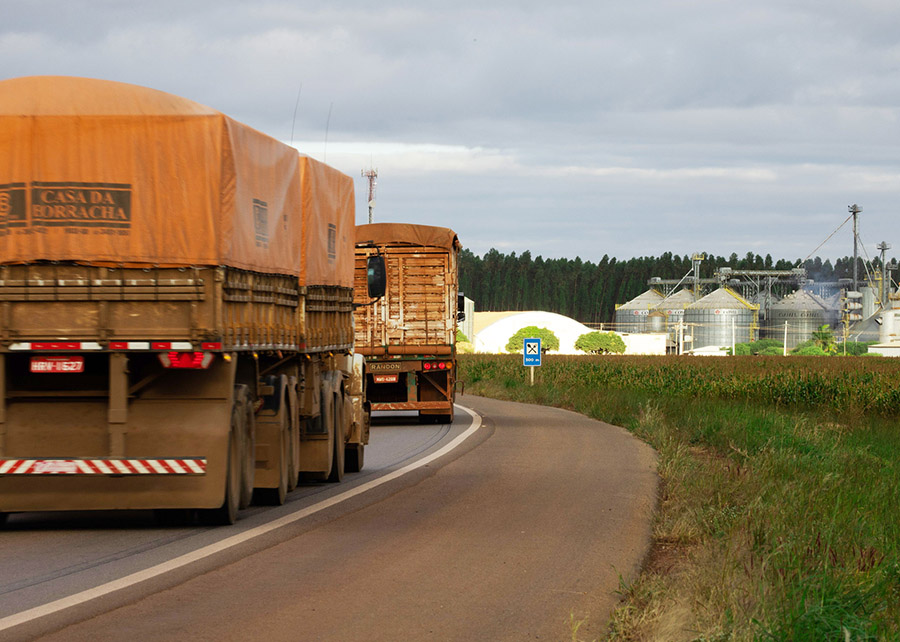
[175, 306]
[409, 338]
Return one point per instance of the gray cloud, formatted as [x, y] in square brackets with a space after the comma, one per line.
[561, 128]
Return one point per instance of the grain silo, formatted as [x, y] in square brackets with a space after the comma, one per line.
[656, 321]
[796, 317]
[721, 318]
[634, 315]
[673, 307]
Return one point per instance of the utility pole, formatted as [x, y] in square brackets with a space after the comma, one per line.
[855, 210]
[371, 174]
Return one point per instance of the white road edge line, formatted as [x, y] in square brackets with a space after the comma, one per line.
[201, 553]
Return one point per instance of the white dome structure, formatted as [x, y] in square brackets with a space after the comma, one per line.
[493, 338]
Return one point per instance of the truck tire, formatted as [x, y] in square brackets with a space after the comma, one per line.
[354, 454]
[337, 465]
[243, 409]
[290, 398]
[3, 517]
[326, 419]
[276, 496]
[226, 514]
[293, 475]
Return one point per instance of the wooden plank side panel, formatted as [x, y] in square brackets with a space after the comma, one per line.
[260, 311]
[242, 309]
[419, 307]
[78, 303]
[329, 318]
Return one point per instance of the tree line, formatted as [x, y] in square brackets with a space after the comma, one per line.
[588, 292]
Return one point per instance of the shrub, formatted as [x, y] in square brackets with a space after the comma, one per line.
[763, 346]
[809, 349]
[855, 348]
[600, 343]
[549, 341]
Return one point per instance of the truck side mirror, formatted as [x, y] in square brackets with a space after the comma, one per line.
[376, 277]
[460, 307]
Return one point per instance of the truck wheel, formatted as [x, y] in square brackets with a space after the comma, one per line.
[337, 465]
[293, 474]
[226, 514]
[353, 457]
[293, 436]
[243, 422]
[276, 496]
[326, 418]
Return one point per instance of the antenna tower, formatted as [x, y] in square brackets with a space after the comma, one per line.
[371, 174]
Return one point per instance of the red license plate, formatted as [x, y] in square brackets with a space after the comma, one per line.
[57, 364]
[383, 378]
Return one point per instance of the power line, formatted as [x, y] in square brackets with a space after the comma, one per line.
[825, 241]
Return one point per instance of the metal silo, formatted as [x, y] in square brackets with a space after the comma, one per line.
[634, 315]
[800, 313]
[673, 307]
[720, 318]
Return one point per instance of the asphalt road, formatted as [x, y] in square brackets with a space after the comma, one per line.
[528, 523]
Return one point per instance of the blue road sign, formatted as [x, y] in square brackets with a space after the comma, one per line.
[531, 354]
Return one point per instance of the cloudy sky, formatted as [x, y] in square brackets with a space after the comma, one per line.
[563, 128]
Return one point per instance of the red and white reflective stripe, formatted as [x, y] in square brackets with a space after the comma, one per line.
[59, 346]
[163, 345]
[129, 345]
[150, 345]
[56, 345]
[180, 466]
[171, 345]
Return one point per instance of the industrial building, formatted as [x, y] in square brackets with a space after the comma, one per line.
[710, 315]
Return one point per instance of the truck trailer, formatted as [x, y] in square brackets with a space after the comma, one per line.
[408, 338]
[176, 307]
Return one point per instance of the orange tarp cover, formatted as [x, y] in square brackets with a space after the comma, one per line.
[406, 234]
[108, 173]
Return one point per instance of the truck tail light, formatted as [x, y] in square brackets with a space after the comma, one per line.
[186, 360]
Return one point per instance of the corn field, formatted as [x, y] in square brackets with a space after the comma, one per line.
[851, 385]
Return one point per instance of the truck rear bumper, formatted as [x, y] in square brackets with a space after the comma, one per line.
[57, 456]
[58, 492]
[104, 466]
[414, 405]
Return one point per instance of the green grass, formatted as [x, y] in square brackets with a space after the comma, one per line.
[780, 488]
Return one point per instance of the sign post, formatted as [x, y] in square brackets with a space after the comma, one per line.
[531, 355]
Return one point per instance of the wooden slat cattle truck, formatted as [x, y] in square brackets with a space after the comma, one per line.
[409, 338]
[175, 306]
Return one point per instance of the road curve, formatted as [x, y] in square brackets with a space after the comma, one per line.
[502, 542]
